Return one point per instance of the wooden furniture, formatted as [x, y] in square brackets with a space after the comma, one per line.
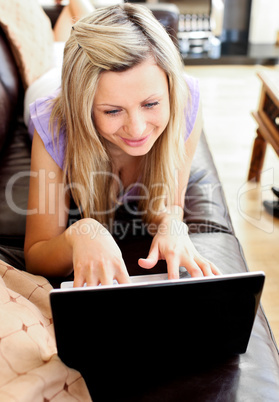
[267, 118]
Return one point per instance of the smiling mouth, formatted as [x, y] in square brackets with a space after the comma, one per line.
[135, 143]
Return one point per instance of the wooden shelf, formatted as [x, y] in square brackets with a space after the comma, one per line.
[237, 53]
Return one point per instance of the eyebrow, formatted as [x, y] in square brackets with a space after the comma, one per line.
[144, 101]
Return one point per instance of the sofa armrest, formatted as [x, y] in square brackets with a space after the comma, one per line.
[9, 90]
[206, 208]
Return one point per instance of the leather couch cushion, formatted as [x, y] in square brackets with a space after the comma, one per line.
[9, 84]
[14, 185]
[205, 204]
[30, 34]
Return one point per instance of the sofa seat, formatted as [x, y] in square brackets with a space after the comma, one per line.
[253, 376]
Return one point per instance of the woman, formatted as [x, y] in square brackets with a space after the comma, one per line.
[115, 130]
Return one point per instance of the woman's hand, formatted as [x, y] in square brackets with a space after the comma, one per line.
[173, 244]
[96, 256]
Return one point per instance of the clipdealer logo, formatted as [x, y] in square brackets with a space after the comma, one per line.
[256, 192]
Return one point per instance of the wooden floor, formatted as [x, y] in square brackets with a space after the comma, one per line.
[229, 95]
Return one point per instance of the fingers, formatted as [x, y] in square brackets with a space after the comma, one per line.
[148, 262]
[215, 270]
[151, 260]
[196, 266]
[78, 281]
[173, 266]
[208, 268]
[193, 269]
[203, 267]
[103, 274]
[79, 276]
[123, 276]
[84, 276]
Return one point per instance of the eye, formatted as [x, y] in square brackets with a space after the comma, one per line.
[150, 105]
[112, 112]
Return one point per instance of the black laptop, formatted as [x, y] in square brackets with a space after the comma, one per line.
[121, 337]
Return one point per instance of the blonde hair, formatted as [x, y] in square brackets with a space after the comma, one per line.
[115, 38]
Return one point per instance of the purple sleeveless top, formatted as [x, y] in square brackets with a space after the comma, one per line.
[40, 114]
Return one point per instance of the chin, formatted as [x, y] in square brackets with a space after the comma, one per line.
[138, 151]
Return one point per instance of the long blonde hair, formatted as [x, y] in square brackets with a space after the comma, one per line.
[115, 38]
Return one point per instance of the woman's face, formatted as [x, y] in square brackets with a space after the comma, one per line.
[131, 108]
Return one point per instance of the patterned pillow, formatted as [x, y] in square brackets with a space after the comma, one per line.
[29, 32]
[30, 369]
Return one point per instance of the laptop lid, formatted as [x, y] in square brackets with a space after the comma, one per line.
[121, 336]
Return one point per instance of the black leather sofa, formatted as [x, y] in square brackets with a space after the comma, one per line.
[253, 376]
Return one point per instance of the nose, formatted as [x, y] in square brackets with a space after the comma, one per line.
[135, 125]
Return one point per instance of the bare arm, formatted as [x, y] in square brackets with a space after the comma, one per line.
[71, 13]
[46, 249]
[52, 249]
